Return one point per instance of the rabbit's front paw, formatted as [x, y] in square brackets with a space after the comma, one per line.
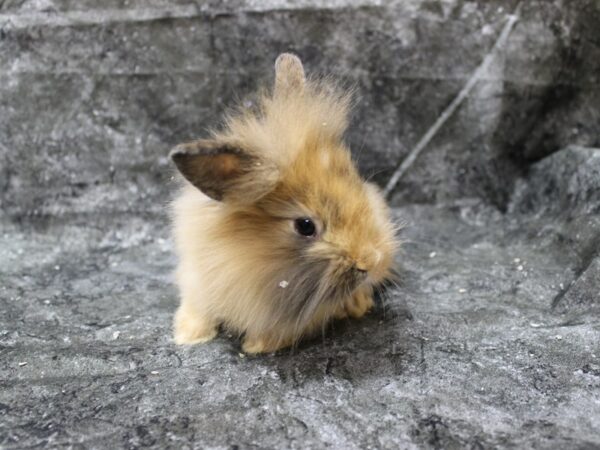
[263, 344]
[358, 305]
[191, 328]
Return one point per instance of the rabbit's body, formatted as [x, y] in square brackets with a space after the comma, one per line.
[276, 231]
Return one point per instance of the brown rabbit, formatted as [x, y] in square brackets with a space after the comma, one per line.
[276, 231]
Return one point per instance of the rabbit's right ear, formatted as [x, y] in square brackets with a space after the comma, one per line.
[224, 172]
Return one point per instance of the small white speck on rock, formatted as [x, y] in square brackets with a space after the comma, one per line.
[487, 30]
[24, 363]
[154, 372]
[432, 254]
[462, 290]
[283, 284]
[520, 267]
[115, 335]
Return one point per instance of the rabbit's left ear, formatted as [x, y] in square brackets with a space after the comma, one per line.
[289, 74]
[223, 171]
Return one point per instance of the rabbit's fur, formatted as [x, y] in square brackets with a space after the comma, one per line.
[243, 264]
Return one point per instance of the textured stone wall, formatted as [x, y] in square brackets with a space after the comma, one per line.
[94, 94]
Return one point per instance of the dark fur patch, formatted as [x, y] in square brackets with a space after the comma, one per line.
[310, 285]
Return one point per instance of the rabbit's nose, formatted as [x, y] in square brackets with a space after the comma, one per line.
[360, 270]
[367, 261]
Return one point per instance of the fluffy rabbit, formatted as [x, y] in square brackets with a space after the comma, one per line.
[276, 231]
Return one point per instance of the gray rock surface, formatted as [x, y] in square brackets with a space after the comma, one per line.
[94, 93]
[492, 337]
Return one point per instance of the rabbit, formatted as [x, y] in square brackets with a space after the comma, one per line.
[276, 232]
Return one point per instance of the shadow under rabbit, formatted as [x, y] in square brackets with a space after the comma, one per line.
[347, 349]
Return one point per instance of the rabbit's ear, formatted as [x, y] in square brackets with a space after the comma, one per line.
[224, 172]
[289, 74]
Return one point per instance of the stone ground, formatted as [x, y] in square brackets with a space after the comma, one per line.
[491, 337]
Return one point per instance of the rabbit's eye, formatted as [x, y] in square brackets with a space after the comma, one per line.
[305, 227]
